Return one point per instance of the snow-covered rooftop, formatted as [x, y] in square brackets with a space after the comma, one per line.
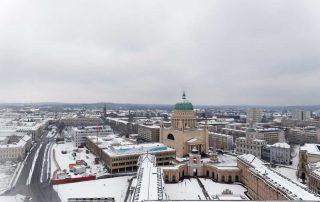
[291, 189]
[282, 145]
[149, 180]
[136, 149]
[311, 148]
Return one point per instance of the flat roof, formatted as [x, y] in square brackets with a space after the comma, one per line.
[123, 150]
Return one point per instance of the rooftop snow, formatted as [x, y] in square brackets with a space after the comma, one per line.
[311, 148]
[282, 145]
[290, 188]
[136, 149]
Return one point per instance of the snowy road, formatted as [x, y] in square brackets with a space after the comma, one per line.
[33, 180]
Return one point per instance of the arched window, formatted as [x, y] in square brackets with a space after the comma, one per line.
[170, 137]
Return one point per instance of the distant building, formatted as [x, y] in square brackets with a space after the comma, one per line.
[149, 132]
[280, 153]
[82, 121]
[254, 116]
[270, 135]
[249, 144]
[79, 134]
[122, 126]
[302, 135]
[301, 115]
[222, 141]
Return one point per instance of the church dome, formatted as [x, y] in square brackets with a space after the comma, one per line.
[184, 104]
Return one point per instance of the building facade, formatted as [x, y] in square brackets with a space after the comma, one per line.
[309, 153]
[254, 116]
[16, 148]
[280, 153]
[264, 183]
[79, 134]
[270, 135]
[301, 115]
[249, 144]
[148, 133]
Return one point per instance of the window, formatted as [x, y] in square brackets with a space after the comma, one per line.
[170, 137]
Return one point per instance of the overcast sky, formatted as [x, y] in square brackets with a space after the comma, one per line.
[220, 52]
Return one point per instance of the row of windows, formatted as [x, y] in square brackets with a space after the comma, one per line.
[8, 156]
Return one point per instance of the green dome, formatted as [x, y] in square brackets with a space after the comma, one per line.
[184, 104]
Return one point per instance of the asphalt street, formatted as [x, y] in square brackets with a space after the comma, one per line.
[38, 190]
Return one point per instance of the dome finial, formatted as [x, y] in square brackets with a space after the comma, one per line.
[184, 95]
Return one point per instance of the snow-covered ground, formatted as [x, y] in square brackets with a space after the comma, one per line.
[188, 189]
[112, 187]
[215, 188]
[51, 133]
[65, 159]
[7, 170]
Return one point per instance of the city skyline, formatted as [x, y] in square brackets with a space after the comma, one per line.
[219, 52]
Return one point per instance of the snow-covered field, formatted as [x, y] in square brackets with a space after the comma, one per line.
[65, 159]
[112, 187]
[214, 188]
[7, 170]
[185, 190]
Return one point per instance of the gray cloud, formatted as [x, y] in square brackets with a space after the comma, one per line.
[220, 52]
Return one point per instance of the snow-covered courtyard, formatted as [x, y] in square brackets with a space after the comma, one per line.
[111, 187]
[189, 189]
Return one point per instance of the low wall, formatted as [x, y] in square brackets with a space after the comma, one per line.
[71, 180]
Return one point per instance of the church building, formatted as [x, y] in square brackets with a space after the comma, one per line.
[184, 135]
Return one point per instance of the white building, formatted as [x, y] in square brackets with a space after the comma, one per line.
[301, 115]
[15, 148]
[280, 153]
[79, 134]
[249, 144]
[254, 116]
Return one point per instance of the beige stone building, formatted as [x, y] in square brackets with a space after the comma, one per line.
[309, 153]
[16, 148]
[249, 144]
[184, 135]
